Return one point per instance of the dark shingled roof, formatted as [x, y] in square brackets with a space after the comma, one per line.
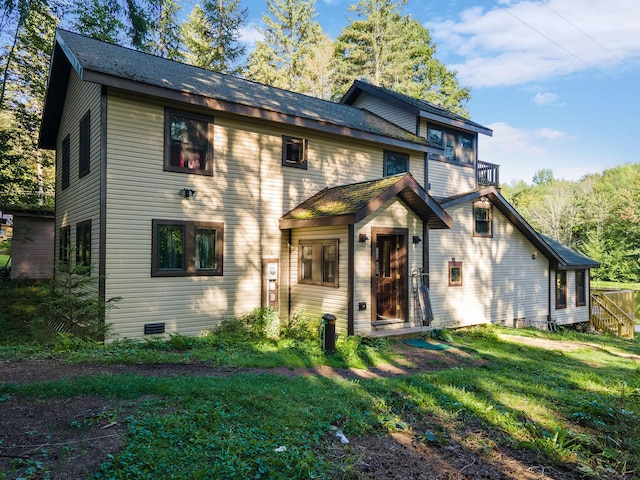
[571, 257]
[421, 107]
[112, 65]
[352, 203]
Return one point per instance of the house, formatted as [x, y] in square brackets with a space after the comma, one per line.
[198, 196]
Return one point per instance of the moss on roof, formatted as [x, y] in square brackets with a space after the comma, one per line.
[342, 200]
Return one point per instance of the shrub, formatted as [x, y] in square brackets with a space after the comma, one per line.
[264, 322]
[73, 306]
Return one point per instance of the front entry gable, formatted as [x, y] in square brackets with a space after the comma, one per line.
[350, 204]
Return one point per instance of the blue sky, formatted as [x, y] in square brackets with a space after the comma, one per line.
[558, 81]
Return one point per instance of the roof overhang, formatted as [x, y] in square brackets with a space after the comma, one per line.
[63, 61]
[359, 86]
[406, 188]
[554, 254]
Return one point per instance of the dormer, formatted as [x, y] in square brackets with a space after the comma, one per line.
[453, 139]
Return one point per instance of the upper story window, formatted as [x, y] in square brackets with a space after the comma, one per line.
[482, 219]
[66, 161]
[294, 152]
[84, 145]
[188, 143]
[458, 147]
[395, 163]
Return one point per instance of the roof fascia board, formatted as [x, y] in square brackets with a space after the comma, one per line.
[318, 222]
[456, 123]
[73, 61]
[244, 110]
[364, 87]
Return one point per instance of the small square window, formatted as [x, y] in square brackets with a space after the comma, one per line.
[188, 143]
[482, 219]
[455, 274]
[294, 152]
[395, 163]
[434, 136]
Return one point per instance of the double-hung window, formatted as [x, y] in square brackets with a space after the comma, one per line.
[84, 145]
[64, 245]
[65, 160]
[83, 243]
[318, 262]
[482, 219]
[188, 143]
[581, 288]
[183, 248]
[561, 289]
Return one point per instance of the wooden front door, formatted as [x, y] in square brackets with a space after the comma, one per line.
[390, 284]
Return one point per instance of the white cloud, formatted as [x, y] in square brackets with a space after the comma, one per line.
[249, 34]
[530, 40]
[546, 98]
[521, 152]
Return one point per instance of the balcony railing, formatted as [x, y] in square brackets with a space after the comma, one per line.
[487, 174]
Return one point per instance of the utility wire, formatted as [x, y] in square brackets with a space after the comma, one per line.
[576, 56]
[613, 54]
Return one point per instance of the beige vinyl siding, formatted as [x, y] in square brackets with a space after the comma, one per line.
[447, 179]
[388, 111]
[248, 192]
[573, 313]
[501, 281]
[312, 301]
[80, 201]
[393, 214]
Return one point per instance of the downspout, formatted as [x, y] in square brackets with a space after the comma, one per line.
[350, 279]
[289, 275]
[549, 296]
[425, 227]
[102, 222]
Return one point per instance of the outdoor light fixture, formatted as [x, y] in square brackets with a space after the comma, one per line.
[187, 193]
[416, 239]
[534, 255]
[362, 238]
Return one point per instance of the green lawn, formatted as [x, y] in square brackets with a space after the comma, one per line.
[575, 409]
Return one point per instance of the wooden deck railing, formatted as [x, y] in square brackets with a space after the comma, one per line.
[487, 174]
[608, 317]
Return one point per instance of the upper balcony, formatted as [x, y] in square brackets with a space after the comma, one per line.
[487, 174]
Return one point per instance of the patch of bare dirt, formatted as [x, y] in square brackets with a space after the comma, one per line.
[70, 438]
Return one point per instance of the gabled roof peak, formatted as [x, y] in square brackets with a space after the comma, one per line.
[417, 106]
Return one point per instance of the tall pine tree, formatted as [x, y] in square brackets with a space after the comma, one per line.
[212, 33]
[392, 50]
[291, 39]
